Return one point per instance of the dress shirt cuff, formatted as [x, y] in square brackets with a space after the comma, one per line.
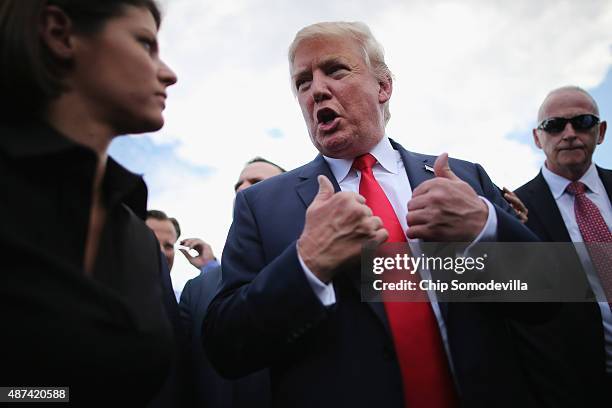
[213, 263]
[489, 231]
[324, 292]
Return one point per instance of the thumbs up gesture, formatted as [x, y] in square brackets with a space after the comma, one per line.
[445, 208]
[326, 190]
[336, 227]
[442, 169]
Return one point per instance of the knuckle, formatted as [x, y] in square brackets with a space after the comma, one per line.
[438, 197]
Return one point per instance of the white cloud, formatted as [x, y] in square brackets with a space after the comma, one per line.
[468, 73]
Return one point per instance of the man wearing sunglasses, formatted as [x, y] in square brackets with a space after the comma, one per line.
[569, 201]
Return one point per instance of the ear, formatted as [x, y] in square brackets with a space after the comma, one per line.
[602, 132]
[56, 30]
[536, 140]
[385, 90]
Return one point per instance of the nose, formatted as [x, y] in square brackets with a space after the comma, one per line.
[320, 89]
[166, 75]
[569, 132]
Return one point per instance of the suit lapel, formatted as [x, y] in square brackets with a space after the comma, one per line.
[546, 210]
[606, 179]
[309, 186]
[307, 190]
[418, 168]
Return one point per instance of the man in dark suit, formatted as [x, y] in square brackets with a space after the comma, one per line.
[569, 130]
[290, 295]
[212, 390]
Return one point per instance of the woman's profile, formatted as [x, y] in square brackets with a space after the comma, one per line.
[80, 293]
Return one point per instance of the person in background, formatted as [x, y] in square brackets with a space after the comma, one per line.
[82, 290]
[569, 201]
[212, 390]
[257, 169]
[167, 231]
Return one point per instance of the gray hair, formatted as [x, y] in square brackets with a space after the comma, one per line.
[566, 89]
[373, 52]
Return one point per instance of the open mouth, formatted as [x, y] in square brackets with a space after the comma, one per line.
[326, 119]
[326, 115]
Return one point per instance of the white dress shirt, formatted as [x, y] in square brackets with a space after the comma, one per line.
[596, 192]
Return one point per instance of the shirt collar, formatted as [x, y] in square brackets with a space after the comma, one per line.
[383, 152]
[558, 183]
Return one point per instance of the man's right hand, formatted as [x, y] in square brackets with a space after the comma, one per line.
[336, 227]
[204, 250]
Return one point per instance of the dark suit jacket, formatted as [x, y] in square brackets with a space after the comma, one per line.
[212, 390]
[266, 314]
[577, 335]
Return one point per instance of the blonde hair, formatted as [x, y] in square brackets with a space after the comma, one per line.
[373, 52]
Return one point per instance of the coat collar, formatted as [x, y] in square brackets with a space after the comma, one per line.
[419, 168]
[545, 209]
[37, 140]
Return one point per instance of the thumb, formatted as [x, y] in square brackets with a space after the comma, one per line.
[326, 188]
[442, 169]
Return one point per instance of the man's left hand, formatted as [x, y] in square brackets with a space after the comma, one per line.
[446, 208]
[204, 250]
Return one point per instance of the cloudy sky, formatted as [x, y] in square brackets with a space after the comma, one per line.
[469, 77]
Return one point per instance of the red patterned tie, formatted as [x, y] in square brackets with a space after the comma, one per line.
[424, 366]
[595, 233]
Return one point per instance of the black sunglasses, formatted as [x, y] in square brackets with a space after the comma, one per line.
[580, 122]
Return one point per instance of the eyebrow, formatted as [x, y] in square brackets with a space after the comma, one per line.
[143, 29]
[323, 63]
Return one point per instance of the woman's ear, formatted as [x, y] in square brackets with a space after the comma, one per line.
[56, 31]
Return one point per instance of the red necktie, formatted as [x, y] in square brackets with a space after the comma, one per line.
[595, 233]
[424, 366]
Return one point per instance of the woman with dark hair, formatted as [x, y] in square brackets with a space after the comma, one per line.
[81, 302]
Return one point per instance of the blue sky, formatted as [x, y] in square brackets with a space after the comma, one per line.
[142, 155]
[468, 79]
[603, 96]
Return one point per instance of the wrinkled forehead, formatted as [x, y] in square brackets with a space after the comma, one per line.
[318, 50]
[567, 103]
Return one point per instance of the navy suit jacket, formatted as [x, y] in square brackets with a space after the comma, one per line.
[212, 390]
[266, 314]
[578, 325]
